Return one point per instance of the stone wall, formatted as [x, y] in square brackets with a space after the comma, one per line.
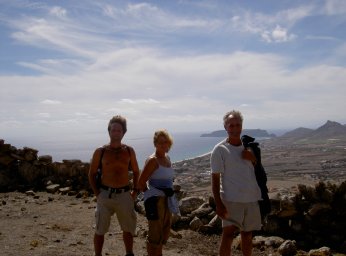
[22, 169]
[311, 216]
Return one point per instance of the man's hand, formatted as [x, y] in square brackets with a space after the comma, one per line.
[221, 211]
[134, 194]
[248, 155]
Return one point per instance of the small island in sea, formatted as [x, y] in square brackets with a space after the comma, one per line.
[257, 133]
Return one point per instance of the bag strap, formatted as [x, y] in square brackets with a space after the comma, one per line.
[100, 161]
[129, 151]
[102, 152]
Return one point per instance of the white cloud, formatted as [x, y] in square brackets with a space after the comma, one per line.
[278, 35]
[82, 114]
[271, 27]
[120, 64]
[335, 7]
[51, 102]
[149, 17]
[194, 91]
[323, 38]
[58, 11]
[139, 101]
[44, 115]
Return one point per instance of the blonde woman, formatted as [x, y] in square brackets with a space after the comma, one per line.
[156, 181]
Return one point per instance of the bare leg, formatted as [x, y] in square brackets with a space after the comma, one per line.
[154, 250]
[226, 240]
[98, 244]
[128, 242]
[159, 250]
[246, 243]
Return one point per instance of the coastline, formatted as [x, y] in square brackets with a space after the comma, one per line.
[193, 158]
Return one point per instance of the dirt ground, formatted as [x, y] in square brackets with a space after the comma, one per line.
[47, 224]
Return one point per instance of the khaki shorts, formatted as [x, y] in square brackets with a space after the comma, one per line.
[245, 216]
[122, 205]
[159, 230]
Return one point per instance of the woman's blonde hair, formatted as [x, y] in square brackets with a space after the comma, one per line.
[163, 133]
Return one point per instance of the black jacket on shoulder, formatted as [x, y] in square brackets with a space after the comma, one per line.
[261, 176]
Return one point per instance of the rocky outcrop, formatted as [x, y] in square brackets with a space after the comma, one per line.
[309, 218]
[23, 169]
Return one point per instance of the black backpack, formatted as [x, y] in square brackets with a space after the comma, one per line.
[260, 173]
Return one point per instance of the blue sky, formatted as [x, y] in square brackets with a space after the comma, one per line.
[66, 67]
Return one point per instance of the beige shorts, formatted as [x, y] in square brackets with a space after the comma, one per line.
[159, 230]
[122, 205]
[245, 216]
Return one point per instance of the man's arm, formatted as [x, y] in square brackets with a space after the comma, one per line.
[215, 185]
[135, 170]
[93, 171]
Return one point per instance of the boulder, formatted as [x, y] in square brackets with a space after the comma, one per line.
[53, 188]
[30, 154]
[202, 211]
[189, 204]
[195, 224]
[65, 190]
[323, 251]
[45, 159]
[288, 248]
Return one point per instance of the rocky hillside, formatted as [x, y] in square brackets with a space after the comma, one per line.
[330, 130]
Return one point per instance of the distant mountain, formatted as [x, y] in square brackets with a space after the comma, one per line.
[332, 126]
[330, 129]
[298, 133]
[251, 132]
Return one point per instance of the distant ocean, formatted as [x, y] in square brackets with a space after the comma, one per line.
[186, 145]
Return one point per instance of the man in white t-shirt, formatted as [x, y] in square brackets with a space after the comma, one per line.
[234, 186]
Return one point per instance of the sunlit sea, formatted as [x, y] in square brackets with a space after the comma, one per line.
[185, 145]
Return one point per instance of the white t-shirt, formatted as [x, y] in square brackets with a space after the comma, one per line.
[238, 180]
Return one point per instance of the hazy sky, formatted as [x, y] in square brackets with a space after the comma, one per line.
[67, 66]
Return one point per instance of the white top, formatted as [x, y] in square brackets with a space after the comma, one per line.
[238, 180]
[163, 178]
[163, 173]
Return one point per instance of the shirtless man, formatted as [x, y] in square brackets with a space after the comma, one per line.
[114, 196]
